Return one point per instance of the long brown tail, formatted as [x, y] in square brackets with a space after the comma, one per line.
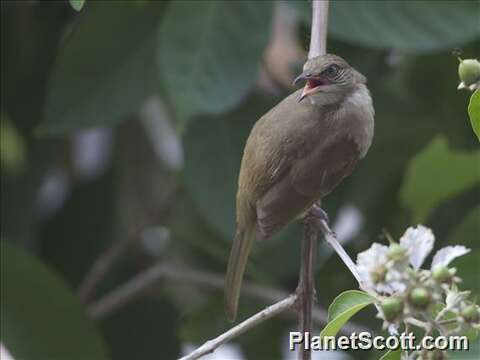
[242, 244]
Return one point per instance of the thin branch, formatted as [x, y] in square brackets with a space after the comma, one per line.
[318, 38]
[331, 239]
[100, 269]
[128, 291]
[306, 282]
[251, 322]
[150, 277]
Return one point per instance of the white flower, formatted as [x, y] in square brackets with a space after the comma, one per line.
[377, 272]
[371, 266]
[455, 297]
[444, 256]
[419, 243]
[395, 278]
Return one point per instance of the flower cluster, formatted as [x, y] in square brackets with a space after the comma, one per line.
[409, 295]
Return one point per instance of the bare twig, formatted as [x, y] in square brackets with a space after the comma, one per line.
[318, 38]
[331, 239]
[306, 282]
[256, 319]
[148, 278]
[128, 291]
[100, 269]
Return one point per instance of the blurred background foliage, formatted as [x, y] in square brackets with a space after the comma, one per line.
[122, 128]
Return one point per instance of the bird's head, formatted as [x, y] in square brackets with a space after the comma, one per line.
[328, 74]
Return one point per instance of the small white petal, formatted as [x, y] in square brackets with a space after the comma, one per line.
[461, 86]
[454, 297]
[444, 256]
[369, 262]
[419, 242]
[393, 329]
[474, 86]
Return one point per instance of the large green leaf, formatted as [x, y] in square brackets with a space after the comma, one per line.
[343, 307]
[473, 352]
[438, 173]
[41, 319]
[209, 52]
[474, 112]
[106, 68]
[414, 26]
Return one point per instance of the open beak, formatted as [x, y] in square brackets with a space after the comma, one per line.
[301, 77]
[313, 84]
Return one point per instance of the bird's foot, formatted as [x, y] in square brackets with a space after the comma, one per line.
[319, 218]
[320, 214]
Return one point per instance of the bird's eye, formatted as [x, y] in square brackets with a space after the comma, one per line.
[332, 70]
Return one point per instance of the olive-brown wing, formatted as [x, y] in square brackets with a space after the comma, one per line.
[307, 180]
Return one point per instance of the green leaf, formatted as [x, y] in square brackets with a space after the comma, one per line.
[412, 26]
[474, 112]
[473, 353]
[209, 52]
[392, 355]
[105, 70]
[77, 4]
[343, 307]
[436, 174]
[41, 318]
[466, 233]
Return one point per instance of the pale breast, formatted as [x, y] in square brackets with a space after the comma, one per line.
[356, 115]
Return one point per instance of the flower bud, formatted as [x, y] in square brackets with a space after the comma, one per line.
[419, 297]
[391, 307]
[441, 274]
[470, 313]
[469, 71]
[396, 252]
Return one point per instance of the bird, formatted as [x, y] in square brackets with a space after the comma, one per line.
[296, 154]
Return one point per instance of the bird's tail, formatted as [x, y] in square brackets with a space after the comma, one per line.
[242, 244]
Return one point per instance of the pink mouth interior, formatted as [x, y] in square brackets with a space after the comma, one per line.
[313, 83]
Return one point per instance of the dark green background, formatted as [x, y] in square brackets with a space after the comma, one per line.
[63, 71]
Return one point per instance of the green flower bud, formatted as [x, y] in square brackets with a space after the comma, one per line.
[469, 71]
[396, 252]
[441, 274]
[391, 307]
[470, 313]
[419, 297]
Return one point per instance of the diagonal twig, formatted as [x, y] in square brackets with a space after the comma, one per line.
[239, 329]
[167, 271]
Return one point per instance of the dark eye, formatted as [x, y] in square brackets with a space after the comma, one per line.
[332, 70]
